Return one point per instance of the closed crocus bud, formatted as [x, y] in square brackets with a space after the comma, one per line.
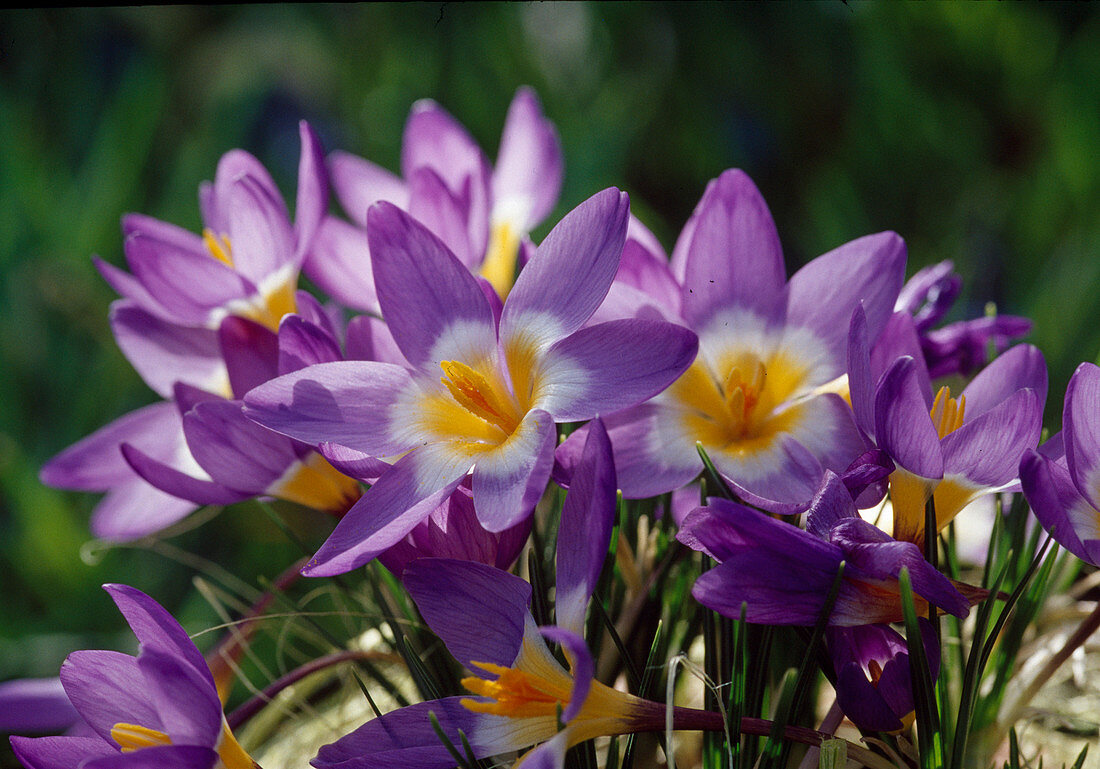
[874, 687]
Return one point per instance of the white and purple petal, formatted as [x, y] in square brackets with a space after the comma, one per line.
[509, 479]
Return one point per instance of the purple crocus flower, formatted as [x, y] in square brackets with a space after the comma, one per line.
[763, 396]
[952, 450]
[783, 574]
[483, 214]
[1062, 479]
[874, 687]
[520, 689]
[961, 347]
[238, 458]
[505, 382]
[246, 261]
[158, 709]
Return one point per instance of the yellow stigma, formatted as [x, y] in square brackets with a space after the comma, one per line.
[743, 388]
[499, 267]
[516, 693]
[218, 246]
[475, 393]
[947, 413]
[131, 737]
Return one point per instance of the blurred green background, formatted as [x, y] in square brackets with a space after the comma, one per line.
[973, 130]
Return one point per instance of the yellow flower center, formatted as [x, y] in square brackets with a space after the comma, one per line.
[947, 413]
[272, 303]
[484, 399]
[516, 693]
[317, 484]
[499, 267]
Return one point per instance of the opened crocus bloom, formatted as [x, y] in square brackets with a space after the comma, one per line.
[946, 448]
[482, 213]
[478, 394]
[246, 260]
[1062, 479]
[764, 395]
[158, 709]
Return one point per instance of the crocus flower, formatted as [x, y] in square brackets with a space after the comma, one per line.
[873, 683]
[238, 458]
[483, 214]
[520, 690]
[1062, 479]
[950, 449]
[783, 574]
[961, 347]
[158, 709]
[504, 384]
[246, 261]
[761, 397]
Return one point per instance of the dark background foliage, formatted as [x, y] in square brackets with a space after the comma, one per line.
[971, 129]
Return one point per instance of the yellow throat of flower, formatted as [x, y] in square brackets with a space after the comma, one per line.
[479, 396]
[499, 267]
[315, 483]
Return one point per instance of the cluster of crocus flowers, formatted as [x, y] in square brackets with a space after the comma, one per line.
[487, 367]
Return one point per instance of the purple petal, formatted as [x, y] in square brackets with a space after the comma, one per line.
[897, 340]
[339, 262]
[867, 271]
[59, 752]
[611, 366]
[353, 463]
[154, 626]
[902, 424]
[790, 594]
[129, 287]
[232, 166]
[165, 232]
[509, 480]
[861, 386]
[830, 506]
[95, 464]
[359, 184]
[190, 286]
[714, 530]
[583, 668]
[259, 230]
[369, 339]
[644, 266]
[186, 700]
[167, 480]
[929, 294]
[548, 755]
[652, 456]
[303, 343]
[529, 164]
[1059, 506]
[35, 705]
[987, 450]
[404, 496]
[444, 213]
[734, 259]
[585, 529]
[106, 688]
[345, 402]
[406, 739]
[1021, 367]
[159, 757]
[234, 450]
[569, 276]
[312, 200]
[479, 612]
[165, 353]
[435, 140]
[1080, 429]
[251, 353]
[432, 304]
